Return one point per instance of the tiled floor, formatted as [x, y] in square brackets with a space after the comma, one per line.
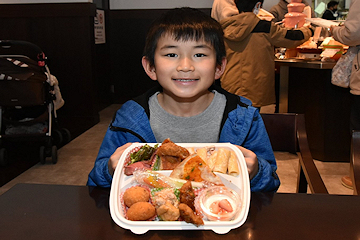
[76, 159]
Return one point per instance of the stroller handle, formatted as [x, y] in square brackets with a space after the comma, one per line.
[41, 58]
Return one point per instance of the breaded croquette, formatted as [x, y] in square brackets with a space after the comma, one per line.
[141, 211]
[135, 194]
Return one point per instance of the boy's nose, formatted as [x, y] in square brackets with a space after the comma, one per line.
[185, 65]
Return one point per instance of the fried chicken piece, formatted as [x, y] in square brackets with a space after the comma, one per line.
[171, 154]
[188, 215]
[187, 195]
[168, 212]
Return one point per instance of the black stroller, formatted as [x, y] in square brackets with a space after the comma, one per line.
[27, 100]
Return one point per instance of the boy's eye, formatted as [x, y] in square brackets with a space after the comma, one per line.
[171, 55]
[199, 55]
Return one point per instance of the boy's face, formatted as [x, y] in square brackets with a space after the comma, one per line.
[184, 69]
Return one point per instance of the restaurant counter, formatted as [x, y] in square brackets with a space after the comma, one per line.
[38, 211]
[305, 87]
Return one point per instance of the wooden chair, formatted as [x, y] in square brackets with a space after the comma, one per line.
[355, 161]
[287, 134]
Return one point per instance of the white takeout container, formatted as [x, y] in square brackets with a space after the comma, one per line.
[239, 183]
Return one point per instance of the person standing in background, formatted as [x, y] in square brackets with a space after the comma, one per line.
[279, 10]
[349, 34]
[222, 9]
[331, 11]
[250, 42]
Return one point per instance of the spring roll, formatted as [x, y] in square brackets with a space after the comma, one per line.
[202, 152]
[233, 166]
[222, 159]
[211, 160]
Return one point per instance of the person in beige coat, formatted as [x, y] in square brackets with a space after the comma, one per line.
[250, 42]
[349, 34]
[222, 9]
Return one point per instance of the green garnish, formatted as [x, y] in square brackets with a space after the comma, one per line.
[177, 193]
[157, 164]
[144, 153]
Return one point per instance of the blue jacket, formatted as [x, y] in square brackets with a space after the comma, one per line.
[241, 125]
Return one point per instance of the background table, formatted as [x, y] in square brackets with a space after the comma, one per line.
[305, 87]
[30, 211]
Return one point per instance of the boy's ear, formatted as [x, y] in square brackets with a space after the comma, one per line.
[220, 68]
[150, 70]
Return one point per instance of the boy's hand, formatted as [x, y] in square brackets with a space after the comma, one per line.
[114, 158]
[251, 161]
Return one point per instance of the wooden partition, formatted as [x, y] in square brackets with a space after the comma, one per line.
[65, 32]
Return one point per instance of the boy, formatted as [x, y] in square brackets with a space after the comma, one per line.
[184, 52]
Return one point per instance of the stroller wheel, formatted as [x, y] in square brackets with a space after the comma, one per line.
[54, 155]
[42, 155]
[66, 135]
[3, 157]
[57, 137]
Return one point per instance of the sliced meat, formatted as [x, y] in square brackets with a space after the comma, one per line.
[129, 169]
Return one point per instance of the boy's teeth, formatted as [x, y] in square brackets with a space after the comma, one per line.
[185, 80]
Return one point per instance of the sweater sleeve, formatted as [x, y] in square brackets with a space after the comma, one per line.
[349, 33]
[283, 37]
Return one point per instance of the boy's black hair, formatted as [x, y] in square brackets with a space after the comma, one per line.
[185, 24]
[246, 5]
[332, 4]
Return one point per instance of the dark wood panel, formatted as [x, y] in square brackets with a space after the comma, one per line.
[40, 10]
[327, 112]
[65, 32]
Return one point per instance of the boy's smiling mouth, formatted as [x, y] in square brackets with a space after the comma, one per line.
[185, 79]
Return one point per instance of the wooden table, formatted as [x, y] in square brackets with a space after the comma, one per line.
[32, 211]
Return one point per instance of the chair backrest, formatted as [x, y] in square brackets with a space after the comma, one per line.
[281, 129]
[355, 161]
[287, 133]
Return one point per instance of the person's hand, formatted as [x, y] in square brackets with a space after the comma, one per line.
[307, 24]
[251, 161]
[114, 158]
